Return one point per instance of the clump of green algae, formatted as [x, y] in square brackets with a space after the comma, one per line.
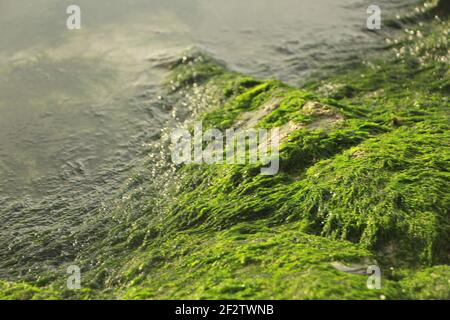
[364, 180]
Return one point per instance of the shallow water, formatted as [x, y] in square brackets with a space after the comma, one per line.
[77, 106]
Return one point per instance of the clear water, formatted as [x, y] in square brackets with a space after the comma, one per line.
[76, 107]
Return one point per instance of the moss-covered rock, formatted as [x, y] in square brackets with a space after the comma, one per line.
[363, 181]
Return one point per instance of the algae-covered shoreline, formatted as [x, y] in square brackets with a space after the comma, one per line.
[363, 181]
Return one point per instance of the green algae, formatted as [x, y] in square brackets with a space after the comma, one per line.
[24, 291]
[245, 262]
[430, 283]
[389, 192]
[364, 180]
[378, 178]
